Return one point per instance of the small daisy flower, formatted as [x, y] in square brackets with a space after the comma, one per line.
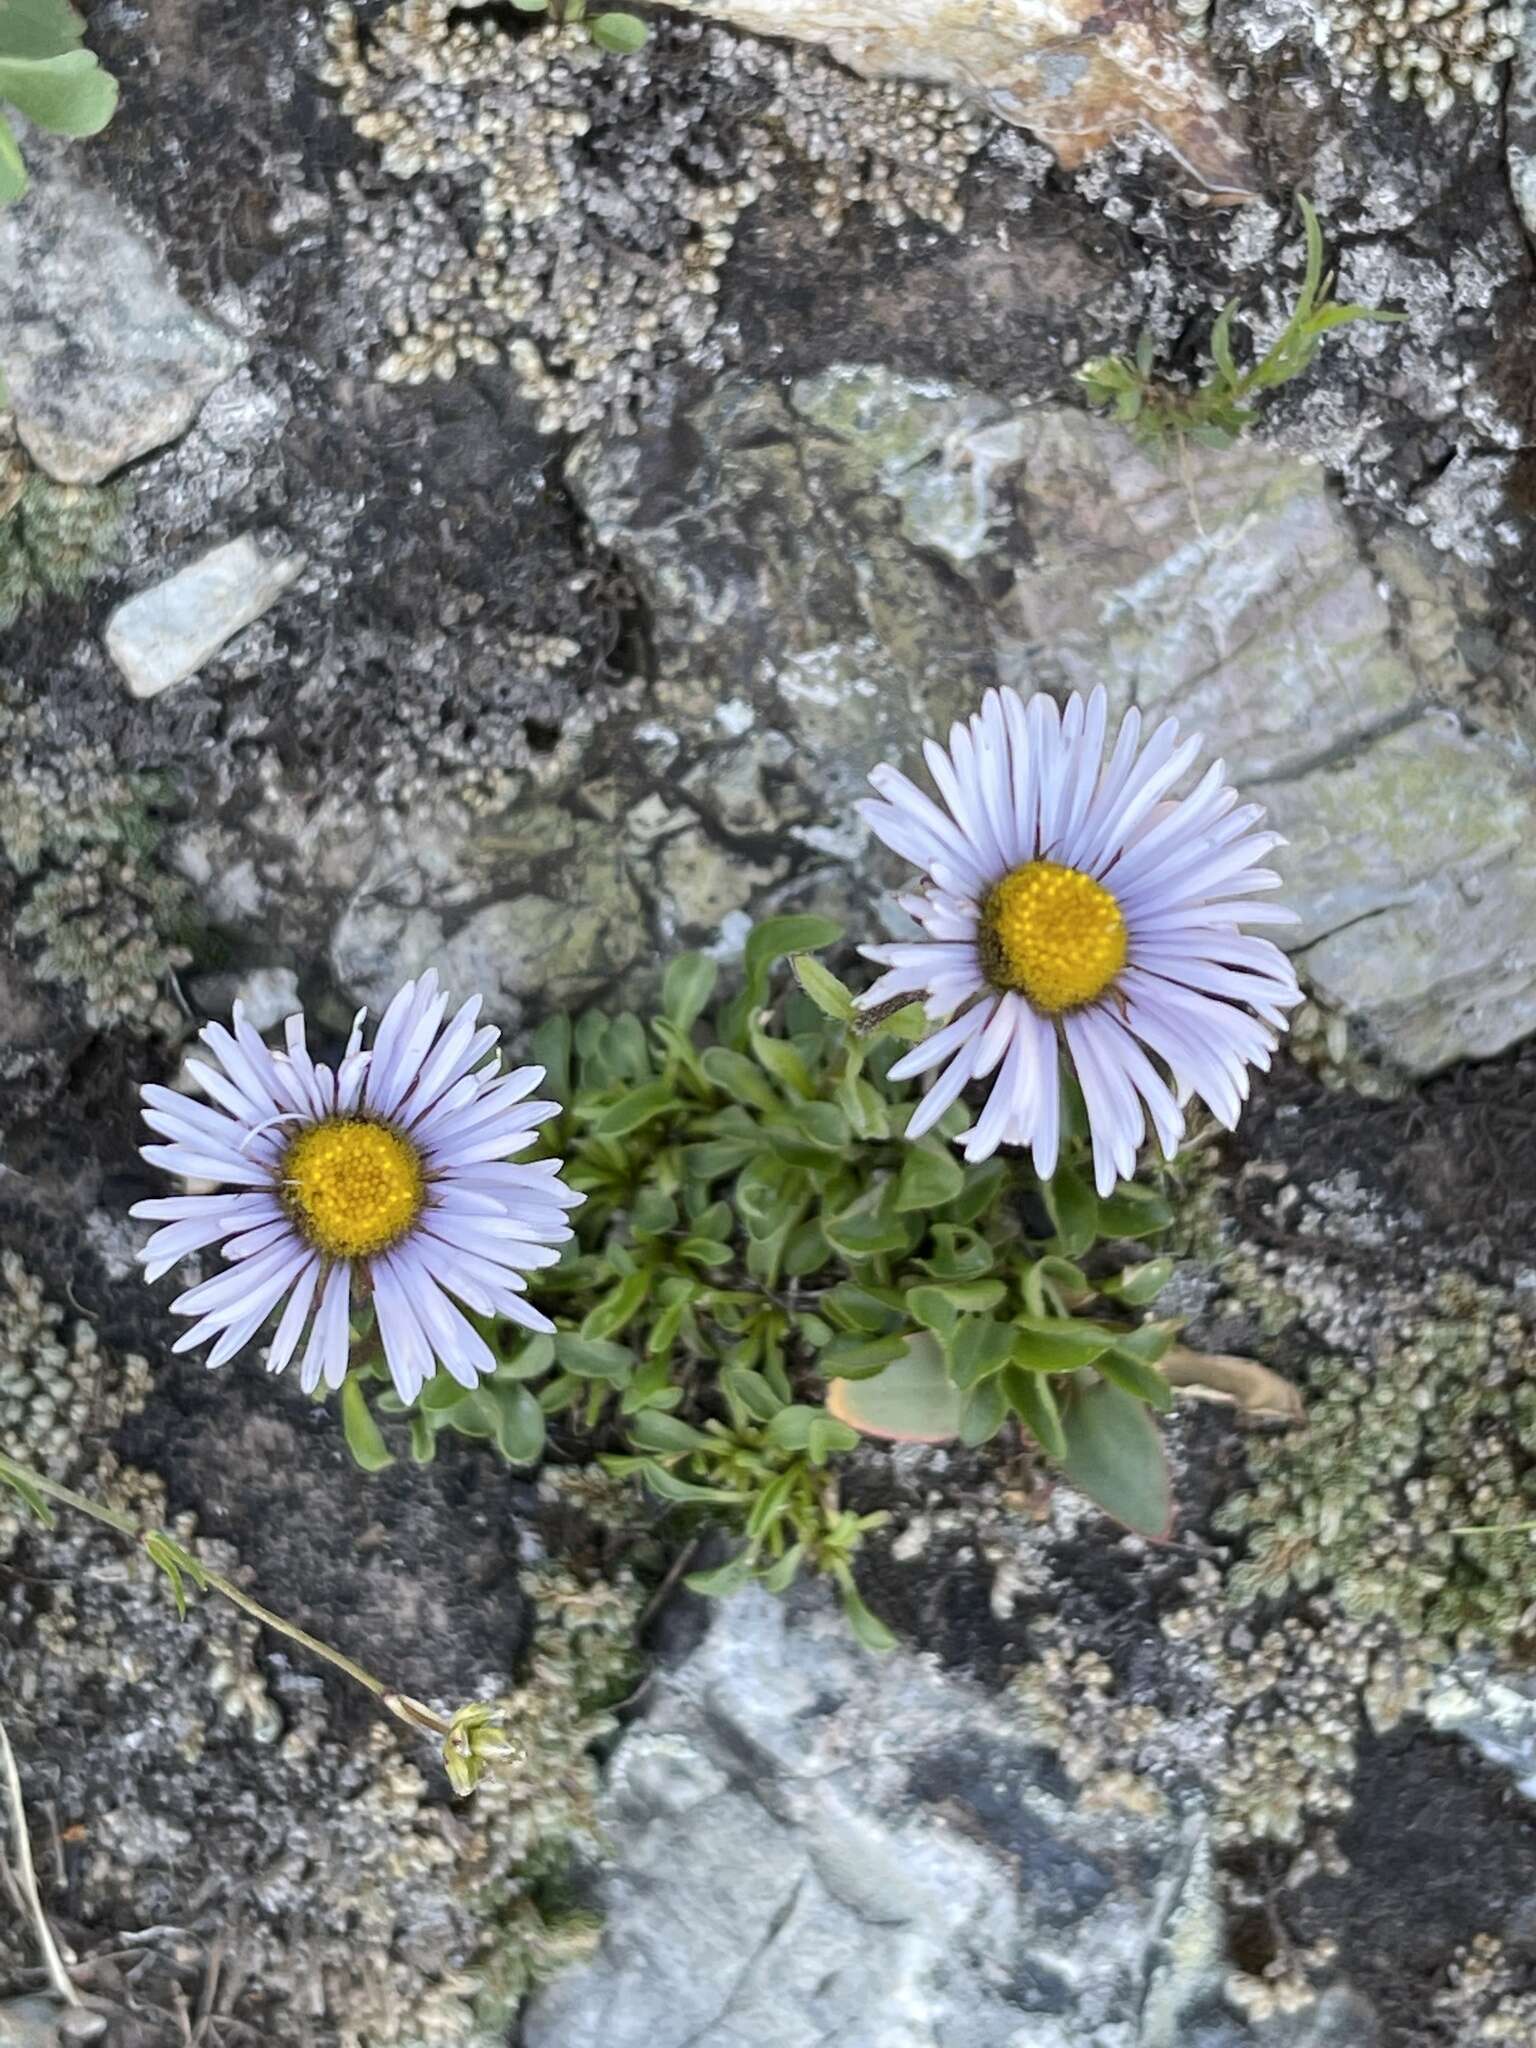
[1073, 909]
[391, 1178]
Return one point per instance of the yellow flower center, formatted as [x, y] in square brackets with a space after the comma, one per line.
[1052, 934]
[353, 1188]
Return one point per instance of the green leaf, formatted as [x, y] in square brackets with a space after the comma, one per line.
[639, 1106]
[653, 1431]
[806, 1250]
[1133, 1211]
[519, 1425]
[619, 1308]
[621, 33]
[625, 1048]
[821, 1124]
[1221, 342]
[13, 172]
[706, 1251]
[775, 936]
[651, 1388]
[984, 1411]
[1150, 1341]
[750, 1392]
[424, 1439]
[803, 1428]
[1139, 1285]
[667, 1486]
[856, 1357]
[718, 1156]
[68, 94]
[779, 1576]
[830, 996]
[862, 1308]
[38, 28]
[912, 1401]
[529, 1361]
[364, 1439]
[776, 1056]
[868, 1628]
[664, 1330]
[864, 1106]
[857, 1236]
[721, 1579]
[980, 1347]
[958, 1254]
[742, 1079]
[1058, 1343]
[931, 1175]
[552, 1051]
[1115, 1456]
[983, 1185]
[1031, 1399]
[593, 1358]
[22, 1486]
[169, 1557]
[690, 980]
[1314, 270]
[768, 1197]
[1137, 1378]
[653, 1214]
[1074, 1211]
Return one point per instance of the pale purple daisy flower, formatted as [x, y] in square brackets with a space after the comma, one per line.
[392, 1178]
[1073, 908]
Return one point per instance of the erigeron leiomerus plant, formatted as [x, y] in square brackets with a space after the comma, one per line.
[765, 1243]
[764, 1268]
[780, 1249]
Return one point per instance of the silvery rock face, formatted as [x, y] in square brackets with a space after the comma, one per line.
[811, 1844]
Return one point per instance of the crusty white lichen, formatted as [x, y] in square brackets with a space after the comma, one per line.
[601, 203]
[76, 833]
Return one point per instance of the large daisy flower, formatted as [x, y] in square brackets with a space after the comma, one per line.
[391, 1179]
[1072, 908]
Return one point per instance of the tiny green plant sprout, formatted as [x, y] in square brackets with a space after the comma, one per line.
[47, 75]
[620, 32]
[1221, 408]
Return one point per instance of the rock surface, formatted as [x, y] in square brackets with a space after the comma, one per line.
[1062, 68]
[166, 633]
[811, 1845]
[104, 358]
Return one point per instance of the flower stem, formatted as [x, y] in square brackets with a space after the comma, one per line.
[171, 1558]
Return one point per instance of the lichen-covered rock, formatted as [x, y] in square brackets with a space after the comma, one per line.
[1074, 74]
[103, 357]
[810, 1845]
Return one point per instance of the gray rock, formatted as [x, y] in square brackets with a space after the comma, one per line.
[30, 2023]
[268, 994]
[165, 634]
[814, 1845]
[1494, 1710]
[104, 358]
[1519, 115]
